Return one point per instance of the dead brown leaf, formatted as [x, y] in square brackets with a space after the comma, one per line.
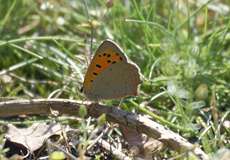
[33, 137]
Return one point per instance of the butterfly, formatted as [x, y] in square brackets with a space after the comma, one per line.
[110, 74]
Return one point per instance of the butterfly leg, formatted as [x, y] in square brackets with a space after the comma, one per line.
[121, 101]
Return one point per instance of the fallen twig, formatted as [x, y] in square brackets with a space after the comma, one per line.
[114, 114]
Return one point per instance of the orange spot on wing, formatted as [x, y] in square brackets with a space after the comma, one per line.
[100, 62]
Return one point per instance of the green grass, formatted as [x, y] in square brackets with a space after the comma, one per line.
[182, 49]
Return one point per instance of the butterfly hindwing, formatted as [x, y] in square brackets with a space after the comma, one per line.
[119, 80]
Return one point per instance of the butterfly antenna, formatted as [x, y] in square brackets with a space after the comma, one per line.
[91, 39]
[91, 28]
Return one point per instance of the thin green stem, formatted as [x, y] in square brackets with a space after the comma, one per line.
[162, 120]
[7, 16]
[191, 15]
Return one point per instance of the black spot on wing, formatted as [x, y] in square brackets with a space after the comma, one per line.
[98, 65]
[109, 61]
[113, 62]
[104, 54]
[95, 73]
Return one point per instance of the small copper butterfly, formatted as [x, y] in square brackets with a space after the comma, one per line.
[110, 74]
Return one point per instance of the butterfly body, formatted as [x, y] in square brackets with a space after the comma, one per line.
[110, 75]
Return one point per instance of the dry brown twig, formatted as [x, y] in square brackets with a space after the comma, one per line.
[113, 114]
[117, 153]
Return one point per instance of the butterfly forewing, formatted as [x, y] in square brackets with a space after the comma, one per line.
[108, 70]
